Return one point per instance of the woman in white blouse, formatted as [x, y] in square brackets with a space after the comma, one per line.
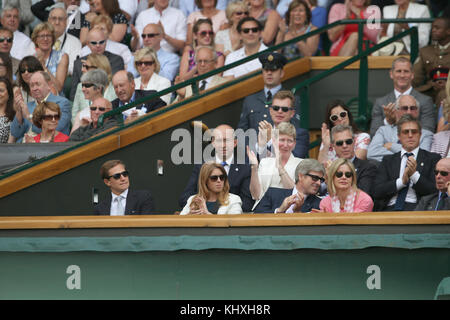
[147, 65]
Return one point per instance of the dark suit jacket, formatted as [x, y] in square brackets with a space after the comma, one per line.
[115, 61]
[429, 202]
[389, 170]
[238, 178]
[138, 95]
[365, 174]
[274, 197]
[138, 202]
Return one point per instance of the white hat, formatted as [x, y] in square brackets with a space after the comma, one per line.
[392, 49]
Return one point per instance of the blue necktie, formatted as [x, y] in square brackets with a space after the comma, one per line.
[401, 196]
[223, 163]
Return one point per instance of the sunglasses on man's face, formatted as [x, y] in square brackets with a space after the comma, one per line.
[51, 117]
[253, 30]
[443, 173]
[222, 177]
[348, 174]
[94, 108]
[340, 143]
[117, 175]
[410, 131]
[406, 108]
[335, 117]
[94, 43]
[284, 109]
[9, 40]
[315, 178]
[149, 35]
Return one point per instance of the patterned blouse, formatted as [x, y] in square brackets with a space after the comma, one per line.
[4, 129]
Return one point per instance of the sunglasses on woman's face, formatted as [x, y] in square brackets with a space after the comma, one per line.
[222, 177]
[340, 143]
[117, 175]
[23, 70]
[51, 117]
[240, 13]
[145, 63]
[206, 33]
[87, 85]
[348, 174]
[335, 117]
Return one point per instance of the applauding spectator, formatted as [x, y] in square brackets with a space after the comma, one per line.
[46, 117]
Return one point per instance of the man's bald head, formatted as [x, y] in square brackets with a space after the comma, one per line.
[224, 141]
[123, 83]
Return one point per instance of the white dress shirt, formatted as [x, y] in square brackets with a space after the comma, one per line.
[22, 46]
[72, 46]
[245, 68]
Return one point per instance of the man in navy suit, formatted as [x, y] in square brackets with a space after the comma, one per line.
[256, 106]
[224, 142]
[40, 91]
[122, 200]
[406, 176]
[440, 199]
[303, 198]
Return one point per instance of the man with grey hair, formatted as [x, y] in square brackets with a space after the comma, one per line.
[22, 44]
[385, 142]
[343, 142]
[302, 198]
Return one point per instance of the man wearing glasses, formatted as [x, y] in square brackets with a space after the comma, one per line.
[98, 107]
[439, 200]
[386, 142]
[122, 200]
[407, 175]
[303, 198]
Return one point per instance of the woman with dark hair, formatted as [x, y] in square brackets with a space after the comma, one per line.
[6, 66]
[27, 66]
[110, 8]
[338, 113]
[213, 195]
[7, 111]
[297, 23]
[46, 116]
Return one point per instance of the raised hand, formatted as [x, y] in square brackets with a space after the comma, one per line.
[252, 157]
[389, 113]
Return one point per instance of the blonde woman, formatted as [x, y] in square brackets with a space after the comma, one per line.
[213, 195]
[344, 195]
[147, 65]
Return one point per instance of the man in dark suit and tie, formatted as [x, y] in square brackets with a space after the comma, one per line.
[406, 176]
[383, 112]
[439, 200]
[303, 198]
[122, 200]
[256, 106]
[124, 87]
[224, 142]
[343, 143]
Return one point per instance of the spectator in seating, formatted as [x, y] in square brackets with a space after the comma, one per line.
[281, 111]
[152, 36]
[343, 142]
[123, 200]
[432, 66]
[213, 195]
[405, 176]
[302, 198]
[383, 112]
[224, 142]
[344, 195]
[89, 129]
[6, 66]
[338, 113]
[441, 140]
[26, 16]
[269, 19]
[109, 8]
[124, 86]
[97, 44]
[386, 142]
[172, 20]
[203, 36]
[148, 66]
[189, 6]
[27, 66]
[22, 44]
[207, 11]
[104, 23]
[206, 61]
[439, 200]
[93, 85]
[250, 30]
[443, 123]
[256, 106]
[344, 38]
[277, 172]
[229, 40]
[55, 62]
[407, 9]
[46, 116]
[40, 91]
[65, 41]
[297, 23]
[6, 42]
[7, 111]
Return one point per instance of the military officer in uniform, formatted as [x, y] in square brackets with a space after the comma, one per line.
[431, 68]
[256, 106]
